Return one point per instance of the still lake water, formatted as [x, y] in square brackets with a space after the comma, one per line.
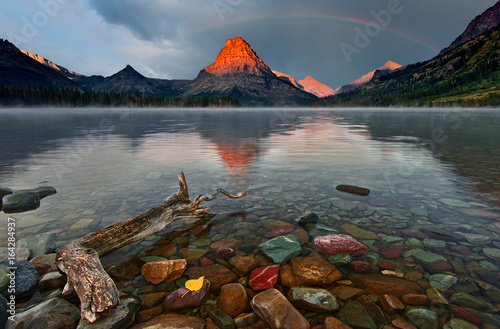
[428, 170]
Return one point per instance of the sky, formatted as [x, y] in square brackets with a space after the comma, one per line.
[334, 41]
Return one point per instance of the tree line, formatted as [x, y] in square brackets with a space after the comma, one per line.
[39, 96]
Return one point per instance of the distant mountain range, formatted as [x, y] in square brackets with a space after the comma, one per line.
[467, 69]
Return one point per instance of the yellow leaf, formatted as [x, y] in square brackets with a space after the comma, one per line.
[193, 285]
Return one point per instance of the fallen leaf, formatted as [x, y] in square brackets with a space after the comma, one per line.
[193, 285]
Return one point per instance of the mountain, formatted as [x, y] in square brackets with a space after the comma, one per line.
[375, 74]
[65, 72]
[287, 78]
[238, 71]
[309, 84]
[482, 23]
[18, 69]
[315, 87]
[129, 81]
[468, 75]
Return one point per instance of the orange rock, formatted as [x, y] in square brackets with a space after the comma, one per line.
[163, 270]
[346, 293]
[391, 304]
[315, 272]
[217, 274]
[244, 264]
[287, 277]
[233, 299]
[415, 299]
[333, 323]
[153, 299]
[166, 250]
[380, 284]
[145, 315]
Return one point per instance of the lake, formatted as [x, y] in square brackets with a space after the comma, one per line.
[435, 172]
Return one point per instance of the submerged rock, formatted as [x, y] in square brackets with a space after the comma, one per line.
[353, 189]
[277, 311]
[184, 298]
[281, 249]
[39, 244]
[264, 277]
[26, 278]
[338, 244]
[173, 320]
[20, 202]
[466, 300]
[356, 315]
[233, 299]
[167, 270]
[423, 318]
[313, 299]
[54, 313]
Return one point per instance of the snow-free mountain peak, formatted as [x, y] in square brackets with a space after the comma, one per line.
[237, 57]
[315, 87]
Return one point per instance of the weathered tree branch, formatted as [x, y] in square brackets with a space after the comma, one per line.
[79, 259]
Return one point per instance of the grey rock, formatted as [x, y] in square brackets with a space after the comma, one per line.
[493, 319]
[39, 244]
[434, 244]
[26, 278]
[42, 191]
[4, 279]
[420, 211]
[475, 238]
[3, 192]
[307, 218]
[282, 248]
[3, 311]
[319, 230]
[51, 281]
[391, 239]
[442, 281]
[20, 202]
[121, 316]
[422, 318]
[20, 253]
[414, 243]
[55, 313]
[493, 253]
[459, 324]
[313, 299]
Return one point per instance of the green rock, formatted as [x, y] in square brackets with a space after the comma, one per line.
[372, 257]
[435, 296]
[434, 243]
[489, 266]
[423, 318]
[492, 253]
[391, 239]
[20, 202]
[454, 203]
[148, 259]
[459, 324]
[221, 319]
[426, 256]
[414, 243]
[420, 211]
[493, 319]
[354, 314]
[282, 248]
[340, 259]
[466, 300]
[39, 244]
[319, 230]
[442, 281]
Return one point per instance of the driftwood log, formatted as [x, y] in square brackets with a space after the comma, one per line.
[79, 259]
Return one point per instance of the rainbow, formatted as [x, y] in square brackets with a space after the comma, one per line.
[309, 16]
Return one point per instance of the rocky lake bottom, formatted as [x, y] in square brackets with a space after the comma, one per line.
[422, 250]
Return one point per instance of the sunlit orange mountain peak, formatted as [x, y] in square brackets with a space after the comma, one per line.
[238, 57]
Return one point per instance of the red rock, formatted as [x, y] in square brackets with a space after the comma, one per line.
[271, 306]
[460, 249]
[391, 251]
[233, 299]
[409, 260]
[163, 270]
[358, 266]
[441, 265]
[204, 261]
[467, 314]
[337, 244]
[375, 229]
[314, 272]
[173, 320]
[353, 189]
[480, 213]
[381, 284]
[223, 253]
[414, 234]
[264, 277]
[419, 269]
[279, 231]
[226, 243]
[184, 298]
[385, 265]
